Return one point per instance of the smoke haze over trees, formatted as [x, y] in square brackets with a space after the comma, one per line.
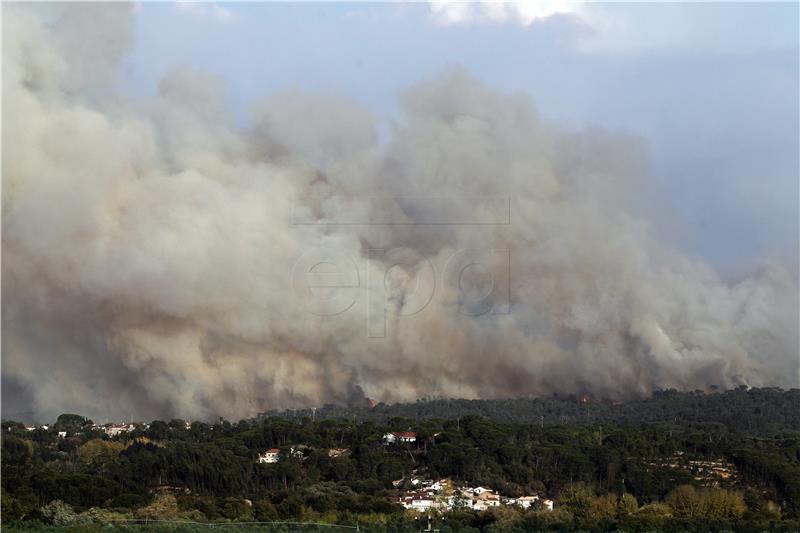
[154, 252]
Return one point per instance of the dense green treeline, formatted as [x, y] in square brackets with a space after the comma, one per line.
[683, 471]
[755, 411]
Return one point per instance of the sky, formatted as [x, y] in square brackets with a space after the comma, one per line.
[710, 88]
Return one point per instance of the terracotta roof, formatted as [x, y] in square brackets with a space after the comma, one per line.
[416, 496]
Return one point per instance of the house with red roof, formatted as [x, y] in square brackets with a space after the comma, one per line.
[399, 436]
[269, 456]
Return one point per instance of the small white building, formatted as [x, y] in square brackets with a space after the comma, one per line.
[269, 456]
[418, 501]
[434, 485]
[477, 505]
[399, 436]
[490, 499]
[62, 434]
[527, 501]
[112, 430]
[422, 504]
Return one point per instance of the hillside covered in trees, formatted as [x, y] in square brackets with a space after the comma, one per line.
[753, 411]
[677, 461]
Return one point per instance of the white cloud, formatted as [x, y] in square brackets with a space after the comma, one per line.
[522, 12]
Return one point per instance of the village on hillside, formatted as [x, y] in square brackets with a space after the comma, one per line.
[110, 429]
[423, 495]
[468, 471]
[445, 495]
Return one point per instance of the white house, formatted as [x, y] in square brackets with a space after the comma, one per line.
[525, 501]
[399, 436]
[62, 434]
[269, 456]
[422, 503]
[418, 501]
[490, 499]
[112, 430]
[434, 485]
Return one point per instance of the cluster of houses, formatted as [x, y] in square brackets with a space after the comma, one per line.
[428, 494]
[45, 427]
[272, 455]
[443, 495]
[396, 437]
[707, 472]
[112, 430]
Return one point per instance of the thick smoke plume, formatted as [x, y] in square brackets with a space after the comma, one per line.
[151, 251]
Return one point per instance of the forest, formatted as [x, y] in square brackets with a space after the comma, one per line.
[677, 461]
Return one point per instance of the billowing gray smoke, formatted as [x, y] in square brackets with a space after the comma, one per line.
[159, 261]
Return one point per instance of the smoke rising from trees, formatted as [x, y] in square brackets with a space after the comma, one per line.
[151, 249]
